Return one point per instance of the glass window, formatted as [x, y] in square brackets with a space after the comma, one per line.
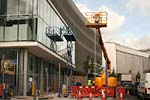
[23, 31]
[10, 61]
[12, 7]
[40, 29]
[47, 18]
[1, 33]
[10, 33]
[27, 29]
[3, 6]
[25, 6]
[44, 35]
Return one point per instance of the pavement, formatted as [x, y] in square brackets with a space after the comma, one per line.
[54, 97]
[125, 98]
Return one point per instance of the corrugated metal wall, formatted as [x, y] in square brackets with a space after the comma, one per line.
[126, 62]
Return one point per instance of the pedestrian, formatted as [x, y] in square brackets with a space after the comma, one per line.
[72, 83]
[6, 92]
[48, 89]
[89, 82]
[78, 83]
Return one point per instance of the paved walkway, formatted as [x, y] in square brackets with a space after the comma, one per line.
[82, 99]
[126, 98]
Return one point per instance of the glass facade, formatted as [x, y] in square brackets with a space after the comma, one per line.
[46, 18]
[13, 79]
[43, 73]
[18, 21]
[26, 20]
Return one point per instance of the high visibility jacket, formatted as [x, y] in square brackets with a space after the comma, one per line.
[89, 83]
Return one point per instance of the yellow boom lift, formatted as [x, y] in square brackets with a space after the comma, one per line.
[98, 20]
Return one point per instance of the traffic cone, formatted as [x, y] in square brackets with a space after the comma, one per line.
[121, 96]
[103, 95]
[90, 96]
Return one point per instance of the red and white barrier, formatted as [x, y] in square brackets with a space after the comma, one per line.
[103, 95]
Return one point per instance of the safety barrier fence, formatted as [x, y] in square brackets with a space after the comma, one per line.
[95, 91]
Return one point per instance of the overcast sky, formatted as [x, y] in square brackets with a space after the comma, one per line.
[128, 20]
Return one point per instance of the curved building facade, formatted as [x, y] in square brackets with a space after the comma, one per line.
[87, 39]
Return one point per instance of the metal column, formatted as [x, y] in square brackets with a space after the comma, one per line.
[25, 72]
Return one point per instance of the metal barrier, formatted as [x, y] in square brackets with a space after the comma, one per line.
[87, 91]
[95, 91]
[74, 91]
[120, 92]
[111, 91]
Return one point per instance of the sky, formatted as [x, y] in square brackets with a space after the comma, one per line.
[128, 20]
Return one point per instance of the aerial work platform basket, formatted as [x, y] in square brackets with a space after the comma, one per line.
[96, 19]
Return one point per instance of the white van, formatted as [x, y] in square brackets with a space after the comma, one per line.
[144, 86]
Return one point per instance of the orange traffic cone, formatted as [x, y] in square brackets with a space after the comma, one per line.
[103, 95]
[90, 96]
[121, 96]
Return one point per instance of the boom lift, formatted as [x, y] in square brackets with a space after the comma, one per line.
[98, 20]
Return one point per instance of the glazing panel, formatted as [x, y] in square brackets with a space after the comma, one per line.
[10, 33]
[25, 6]
[27, 30]
[10, 62]
[1, 33]
[12, 7]
[23, 31]
[40, 30]
[3, 7]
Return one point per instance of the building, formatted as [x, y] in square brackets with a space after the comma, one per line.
[87, 43]
[147, 51]
[126, 60]
[30, 54]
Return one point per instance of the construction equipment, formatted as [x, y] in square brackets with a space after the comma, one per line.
[9, 67]
[98, 20]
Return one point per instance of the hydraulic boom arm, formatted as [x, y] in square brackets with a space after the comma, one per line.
[104, 50]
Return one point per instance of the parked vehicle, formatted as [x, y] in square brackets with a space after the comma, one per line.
[144, 86]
